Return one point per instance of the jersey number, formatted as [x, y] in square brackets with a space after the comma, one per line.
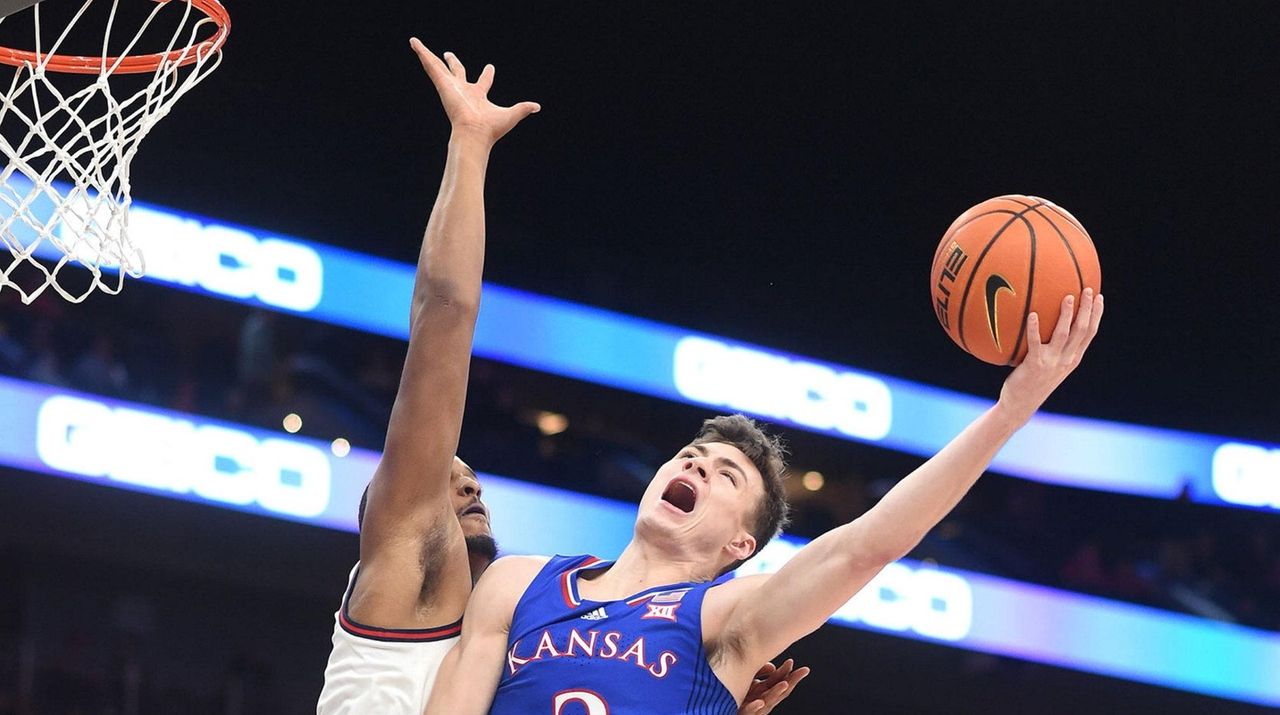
[594, 704]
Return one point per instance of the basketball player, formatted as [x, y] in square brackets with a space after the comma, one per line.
[659, 630]
[424, 532]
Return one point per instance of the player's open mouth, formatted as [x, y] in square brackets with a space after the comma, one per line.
[681, 495]
[476, 508]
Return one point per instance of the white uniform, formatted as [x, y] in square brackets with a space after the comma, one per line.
[381, 670]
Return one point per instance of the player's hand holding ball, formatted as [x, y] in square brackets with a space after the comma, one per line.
[1016, 281]
[1048, 364]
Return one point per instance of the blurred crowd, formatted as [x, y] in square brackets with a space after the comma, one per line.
[180, 352]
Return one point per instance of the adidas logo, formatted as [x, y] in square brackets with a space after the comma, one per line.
[596, 615]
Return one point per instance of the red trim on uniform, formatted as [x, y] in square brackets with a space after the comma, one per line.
[404, 635]
[566, 586]
[395, 635]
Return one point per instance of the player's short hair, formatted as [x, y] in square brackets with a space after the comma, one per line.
[769, 455]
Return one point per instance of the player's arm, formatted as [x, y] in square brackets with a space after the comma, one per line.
[409, 512]
[471, 671]
[826, 573]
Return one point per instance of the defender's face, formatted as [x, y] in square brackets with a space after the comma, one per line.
[465, 493]
[704, 497]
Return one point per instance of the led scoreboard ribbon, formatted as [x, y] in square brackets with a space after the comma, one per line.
[555, 336]
[53, 431]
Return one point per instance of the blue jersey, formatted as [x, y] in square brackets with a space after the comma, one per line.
[571, 656]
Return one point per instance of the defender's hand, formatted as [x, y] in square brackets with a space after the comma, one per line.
[771, 686]
[1047, 365]
[467, 103]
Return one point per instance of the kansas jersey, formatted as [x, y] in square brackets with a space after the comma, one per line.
[381, 670]
[642, 655]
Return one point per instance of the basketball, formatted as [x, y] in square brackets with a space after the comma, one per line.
[1002, 260]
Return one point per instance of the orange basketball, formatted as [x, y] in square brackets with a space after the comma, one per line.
[1003, 259]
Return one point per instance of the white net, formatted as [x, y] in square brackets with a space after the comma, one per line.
[69, 127]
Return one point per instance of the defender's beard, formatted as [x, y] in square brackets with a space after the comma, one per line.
[482, 545]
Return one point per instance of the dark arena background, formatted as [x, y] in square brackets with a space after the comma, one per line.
[715, 199]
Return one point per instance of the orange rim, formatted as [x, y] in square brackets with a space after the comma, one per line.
[132, 64]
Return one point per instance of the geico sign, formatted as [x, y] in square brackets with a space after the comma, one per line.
[930, 602]
[1247, 475]
[933, 603]
[152, 450]
[228, 261]
[806, 393]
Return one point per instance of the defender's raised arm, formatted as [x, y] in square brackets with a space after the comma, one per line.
[409, 508]
[424, 533]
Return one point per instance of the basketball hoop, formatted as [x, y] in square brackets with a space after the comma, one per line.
[70, 124]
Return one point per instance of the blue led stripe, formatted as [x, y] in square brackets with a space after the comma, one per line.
[65, 434]
[1046, 625]
[207, 461]
[371, 294]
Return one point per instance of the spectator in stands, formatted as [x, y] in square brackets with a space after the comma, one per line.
[44, 364]
[98, 371]
[13, 355]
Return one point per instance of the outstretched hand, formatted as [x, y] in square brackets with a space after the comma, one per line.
[1048, 364]
[772, 685]
[467, 103]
